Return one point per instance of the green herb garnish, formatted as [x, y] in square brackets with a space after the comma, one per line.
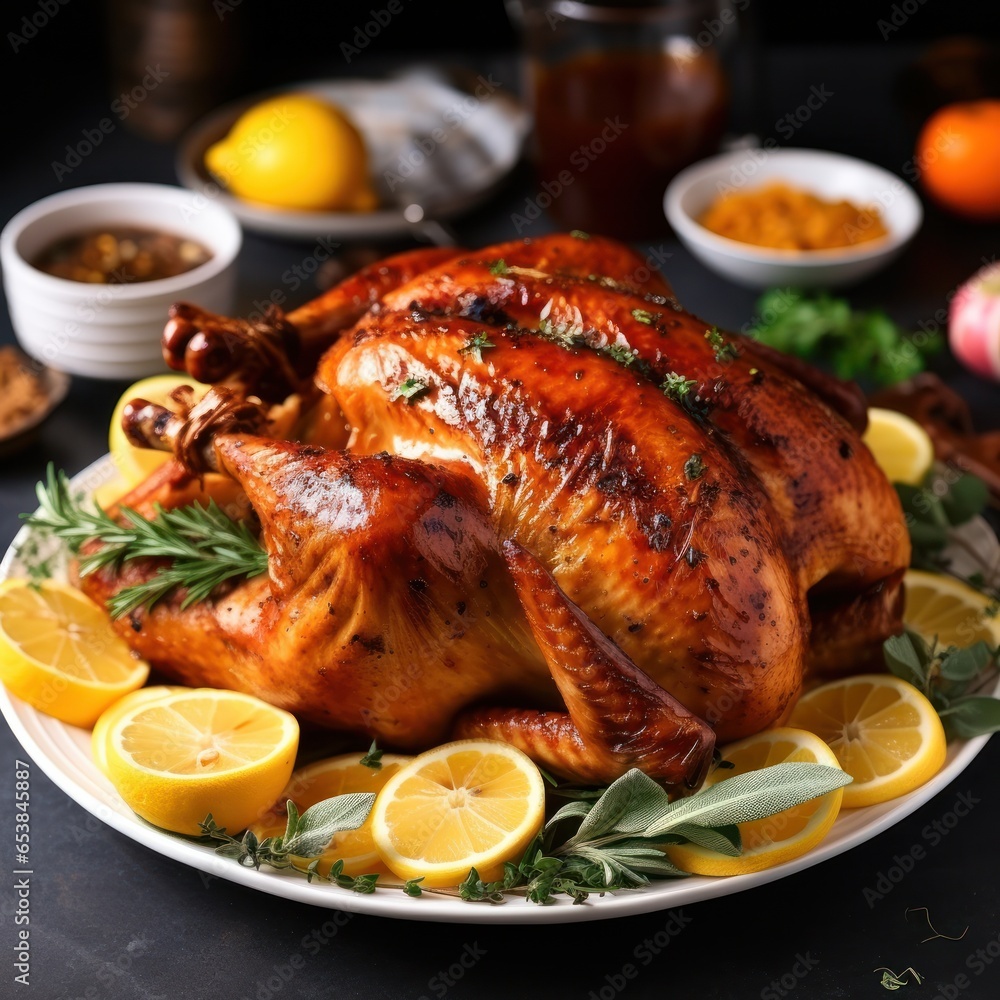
[411, 389]
[694, 467]
[373, 758]
[600, 840]
[477, 344]
[205, 547]
[855, 343]
[677, 387]
[644, 316]
[952, 679]
[620, 353]
[724, 350]
[498, 267]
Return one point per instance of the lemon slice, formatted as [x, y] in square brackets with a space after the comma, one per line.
[885, 733]
[125, 704]
[135, 464]
[324, 779]
[785, 835]
[199, 751]
[902, 448]
[466, 804]
[943, 606]
[60, 653]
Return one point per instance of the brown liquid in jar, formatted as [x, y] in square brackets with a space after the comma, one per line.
[121, 255]
[621, 124]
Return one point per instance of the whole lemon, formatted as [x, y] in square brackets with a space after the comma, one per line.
[295, 151]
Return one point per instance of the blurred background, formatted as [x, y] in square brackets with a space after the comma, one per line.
[75, 50]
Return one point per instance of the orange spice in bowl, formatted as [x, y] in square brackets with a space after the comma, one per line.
[781, 216]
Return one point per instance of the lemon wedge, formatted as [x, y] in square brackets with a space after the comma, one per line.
[295, 151]
[134, 464]
[942, 606]
[901, 447]
[60, 653]
[107, 718]
[785, 835]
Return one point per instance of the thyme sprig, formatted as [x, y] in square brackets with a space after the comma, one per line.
[204, 546]
[305, 838]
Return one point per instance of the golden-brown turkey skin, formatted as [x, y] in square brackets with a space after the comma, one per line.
[385, 611]
[584, 463]
[708, 531]
[808, 457]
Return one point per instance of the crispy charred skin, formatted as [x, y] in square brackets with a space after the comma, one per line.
[683, 570]
[807, 455]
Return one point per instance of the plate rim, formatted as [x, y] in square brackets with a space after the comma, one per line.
[656, 897]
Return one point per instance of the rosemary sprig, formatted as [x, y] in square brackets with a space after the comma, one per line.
[205, 546]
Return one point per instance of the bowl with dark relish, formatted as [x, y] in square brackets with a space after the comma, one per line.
[90, 273]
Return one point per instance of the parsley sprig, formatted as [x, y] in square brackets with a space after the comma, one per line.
[855, 343]
[204, 546]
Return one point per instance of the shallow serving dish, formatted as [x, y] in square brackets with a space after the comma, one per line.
[436, 151]
[825, 174]
[112, 331]
[23, 430]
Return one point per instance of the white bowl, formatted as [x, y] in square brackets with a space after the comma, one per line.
[827, 175]
[112, 331]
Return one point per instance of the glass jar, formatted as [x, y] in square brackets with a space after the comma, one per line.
[623, 96]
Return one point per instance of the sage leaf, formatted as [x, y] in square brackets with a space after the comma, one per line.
[629, 805]
[723, 840]
[571, 810]
[976, 715]
[964, 664]
[752, 795]
[317, 825]
[292, 825]
[905, 658]
[965, 498]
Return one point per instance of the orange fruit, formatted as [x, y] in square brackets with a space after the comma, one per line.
[958, 156]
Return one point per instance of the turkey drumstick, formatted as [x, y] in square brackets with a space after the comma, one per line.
[276, 354]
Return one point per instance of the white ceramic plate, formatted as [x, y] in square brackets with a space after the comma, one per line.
[63, 753]
[430, 144]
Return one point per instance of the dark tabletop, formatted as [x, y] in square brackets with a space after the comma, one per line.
[110, 918]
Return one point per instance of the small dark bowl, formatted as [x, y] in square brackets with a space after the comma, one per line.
[55, 385]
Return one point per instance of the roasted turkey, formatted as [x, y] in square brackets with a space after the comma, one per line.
[521, 493]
